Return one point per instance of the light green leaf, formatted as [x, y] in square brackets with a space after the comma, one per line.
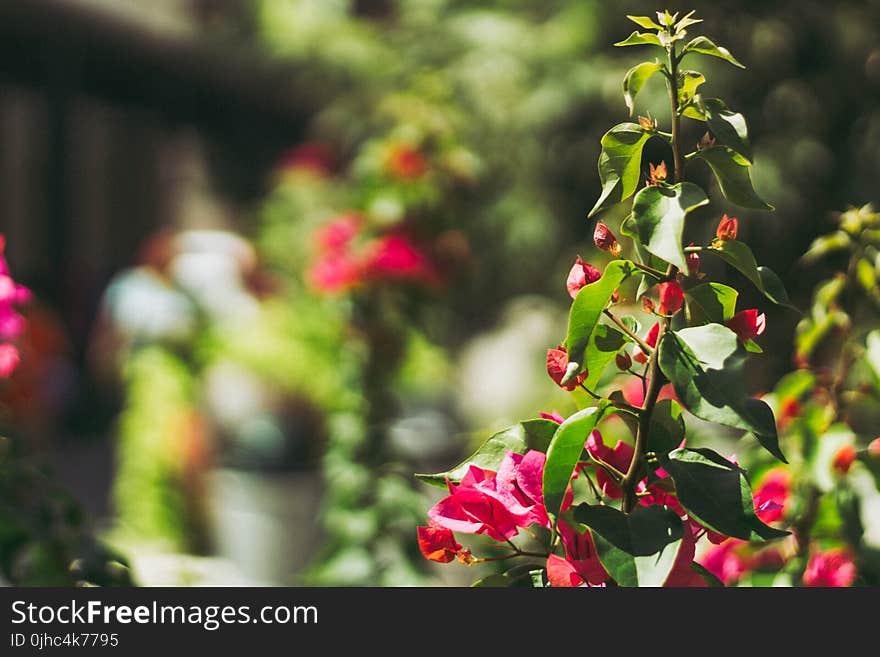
[873, 351]
[640, 39]
[587, 308]
[716, 493]
[825, 244]
[732, 171]
[667, 427]
[620, 164]
[635, 79]
[704, 364]
[710, 303]
[629, 571]
[530, 434]
[644, 22]
[604, 344]
[688, 83]
[659, 213]
[564, 453]
[705, 46]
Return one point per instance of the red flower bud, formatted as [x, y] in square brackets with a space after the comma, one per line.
[874, 448]
[693, 262]
[727, 228]
[638, 355]
[624, 362]
[671, 298]
[406, 162]
[437, 543]
[581, 274]
[844, 459]
[647, 304]
[747, 324]
[605, 239]
[657, 174]
[557, 368]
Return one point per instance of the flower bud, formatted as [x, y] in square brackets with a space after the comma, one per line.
[844, 459]
[624, 362]
[727, 228]
[747, 324]
[638, 355]
[671, 298]
[693, 262]
[559, 368]
[605, 239]
[581, 274]
[874, 448]
[648, 304]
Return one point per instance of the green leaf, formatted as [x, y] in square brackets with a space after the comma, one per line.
[686, 21]
[635, 79]
[643, 532]
[732, 171]
[872, 353]
[728, 127]
[710, 577]
[866, 276]
[705, 46]
[645, 22]
[659, 213]
[688, 83]
[630, 571]
[564, 453]
[640, 39]
[710, 303]
[738, 255]
[620, 164]
[716, 493]
[704, 364]
[824, 244]
[587, 308]
[667, 428]
[604, 344]
[530, 434]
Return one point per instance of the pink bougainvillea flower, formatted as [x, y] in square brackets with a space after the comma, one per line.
[693, 262]
[335, 272]
[406, 162]
[788, 411]
[671, 298]
[605, 239]
[747, 324]
[518, 485]
[9, 359]
[726, 560]
[396, 257]
[771, 495]
[843, 459]
[682, 575]
[874, 448]
[581, 274]
[727, 228]
[834, 567]
[338, 233]
[557, 366]
[619, 458]
[581, 565]
[651, 340]
[553, 417]
[437, 543]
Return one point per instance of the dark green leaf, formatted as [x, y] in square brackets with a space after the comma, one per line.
[644, 22]
[640, 39]
[630, 571]
[706, 47]
[667, 427]
[710, 303]
[740, 256]
[642, 533]
[773, 289]
[704, 364]
[728, 127]
[587, 308]
[604, 344]
[620, 164]
[716, 493]
[631, 323]
[564, 453]
[707, 575]
[635, 79]
[659, 213]
[530, 434]
[732, 171]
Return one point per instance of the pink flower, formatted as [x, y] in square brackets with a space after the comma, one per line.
[339, 232]
[874, 448]
[553, 417]
[833, 567]
[335, 272]
[638, 355]
[557, 366]
[725, 561]
[771, 496]
[9, 359]
[619, 458]
[671, 298]
[396, 257]
[605, 239]
[581, 274]
[437, 543]
[747, 324]
[519, 487]
[581, 566]
[682, 575]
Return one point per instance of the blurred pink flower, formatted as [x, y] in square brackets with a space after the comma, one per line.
[396, 257]
[724, 561]
[833, 567]
[339, 232]
[772, 494]
[581, 274]
[9, 359]
[333, 273]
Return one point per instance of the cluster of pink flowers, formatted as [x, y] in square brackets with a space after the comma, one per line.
[12, 324]
[345, 261]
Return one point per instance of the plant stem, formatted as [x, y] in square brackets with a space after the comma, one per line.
[672, 83]
[623, 327]
[656, 273]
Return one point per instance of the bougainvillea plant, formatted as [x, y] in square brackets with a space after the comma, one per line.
[549, 492]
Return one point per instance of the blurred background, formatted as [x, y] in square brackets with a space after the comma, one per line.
[286, 253]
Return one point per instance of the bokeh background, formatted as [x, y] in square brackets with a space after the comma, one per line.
[198, 402]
